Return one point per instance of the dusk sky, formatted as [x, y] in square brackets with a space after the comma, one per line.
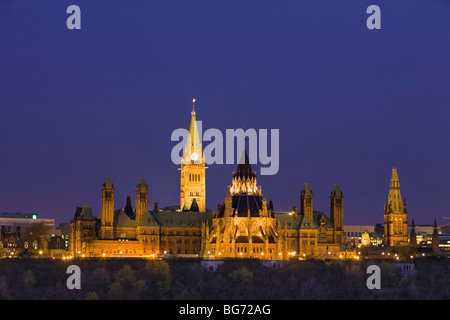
[350, 103]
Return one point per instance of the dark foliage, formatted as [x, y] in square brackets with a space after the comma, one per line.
[41, 279]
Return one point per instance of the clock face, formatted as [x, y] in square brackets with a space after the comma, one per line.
[194, 156]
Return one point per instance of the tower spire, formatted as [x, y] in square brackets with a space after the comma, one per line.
[193, 144]
[395, 214]
[394, 196]
[192, 184]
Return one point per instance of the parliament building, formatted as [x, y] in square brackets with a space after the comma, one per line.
[244, 225]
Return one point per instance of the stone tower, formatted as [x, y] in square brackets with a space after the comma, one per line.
[107, 214]
[337, 214]
[306, 202]
[193, 185]
[395, 215]
[141, 200]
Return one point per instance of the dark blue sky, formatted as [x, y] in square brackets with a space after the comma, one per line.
[350, 103]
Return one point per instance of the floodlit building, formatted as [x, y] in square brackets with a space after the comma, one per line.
[245, 225]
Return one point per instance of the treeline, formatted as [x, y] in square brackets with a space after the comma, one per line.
[40, 279]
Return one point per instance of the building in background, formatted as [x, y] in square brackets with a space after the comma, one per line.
[353, 233]
[12, 220]
[13, 228]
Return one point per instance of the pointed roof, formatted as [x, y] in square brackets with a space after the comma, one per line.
[194, 206]
[121, 219]
[86, 213]
[435, 232]
[108, 183]
[142, 183]
[336, 191]
[306, 189]
[193, 143]
[185, 207]
[128, 208]
[395, 202]
[413, 228]
[77, 212]
[395, 182]
[244, 168]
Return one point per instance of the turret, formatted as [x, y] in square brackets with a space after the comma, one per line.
[337, 214]
[107, 213]
[306, 202]
[141, 200]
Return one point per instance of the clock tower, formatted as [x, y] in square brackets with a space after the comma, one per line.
[193, 186]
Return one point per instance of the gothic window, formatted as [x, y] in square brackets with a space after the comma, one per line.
[242, 228]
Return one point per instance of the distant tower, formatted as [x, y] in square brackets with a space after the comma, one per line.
[435, 240]
[107, 214]
[412, 236]
[141, 200]
[337, 214]
[306, 202]
[395, 215]
[193, 185]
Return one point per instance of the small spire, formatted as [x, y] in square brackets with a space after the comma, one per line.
[228, 194]
[193, 105]
[128, 208]
[394, 178]
[194, 206]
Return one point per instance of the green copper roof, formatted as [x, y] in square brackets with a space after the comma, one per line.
[121, 219]
[86, 213]
[181, 219]
[302, 221]
[148, 220]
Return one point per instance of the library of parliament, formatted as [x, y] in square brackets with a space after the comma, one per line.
[244, 225]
